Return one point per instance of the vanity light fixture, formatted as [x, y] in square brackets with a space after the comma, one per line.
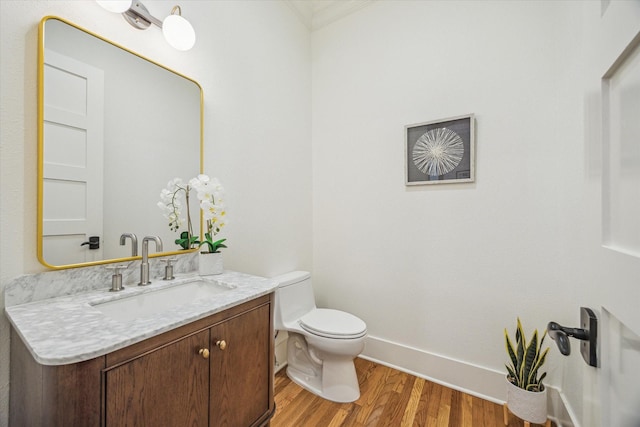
[176, 30]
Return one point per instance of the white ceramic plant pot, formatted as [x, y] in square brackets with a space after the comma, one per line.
[527, 405]
[209, 263]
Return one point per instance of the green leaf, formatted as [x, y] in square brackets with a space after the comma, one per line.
[529, 359]
[211, 245]
[539, 362]
[511, 373]
[532, 387]
[510, 350]
[520, 358]
[540, 380]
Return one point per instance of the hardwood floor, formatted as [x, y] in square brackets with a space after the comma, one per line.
[387, 398]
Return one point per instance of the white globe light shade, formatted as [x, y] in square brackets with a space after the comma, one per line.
[178, 32]
[117, 6]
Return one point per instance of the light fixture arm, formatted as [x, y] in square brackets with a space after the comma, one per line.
[176, 10]
[139, 17]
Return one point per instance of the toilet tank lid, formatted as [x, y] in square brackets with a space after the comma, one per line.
[292, 278]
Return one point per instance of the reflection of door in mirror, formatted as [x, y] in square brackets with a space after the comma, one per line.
[72, 167]
[151, 133]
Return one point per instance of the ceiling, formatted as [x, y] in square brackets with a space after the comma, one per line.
[316, 14]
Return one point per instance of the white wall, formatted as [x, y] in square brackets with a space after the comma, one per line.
[252, 60]
[438, 272]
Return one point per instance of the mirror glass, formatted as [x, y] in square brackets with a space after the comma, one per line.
[114, 128]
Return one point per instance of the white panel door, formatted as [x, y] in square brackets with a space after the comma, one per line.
[619, 331]
[73, 165]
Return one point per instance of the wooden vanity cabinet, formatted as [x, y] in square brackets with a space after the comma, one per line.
[167, 387]
[216, 371]
[241, 370]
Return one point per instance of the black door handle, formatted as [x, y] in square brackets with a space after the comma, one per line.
[93, 242]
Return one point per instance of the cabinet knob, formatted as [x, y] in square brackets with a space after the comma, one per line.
[204, 353]
[222, 344]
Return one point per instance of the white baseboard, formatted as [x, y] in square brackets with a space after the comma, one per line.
[475, 380]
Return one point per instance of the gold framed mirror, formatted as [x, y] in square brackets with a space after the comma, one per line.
[113, 129]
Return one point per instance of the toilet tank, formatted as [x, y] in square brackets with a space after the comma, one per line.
[294, 298]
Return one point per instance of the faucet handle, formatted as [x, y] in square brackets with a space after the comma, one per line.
[168, 269]
[116, 279]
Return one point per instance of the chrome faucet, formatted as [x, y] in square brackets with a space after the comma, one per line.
[134, 242]
[144, 267]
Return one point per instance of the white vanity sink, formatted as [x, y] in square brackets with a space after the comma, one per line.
[157, 301]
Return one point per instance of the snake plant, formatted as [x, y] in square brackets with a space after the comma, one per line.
[526, 360]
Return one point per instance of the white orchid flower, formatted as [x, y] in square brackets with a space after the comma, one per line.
[210, 194]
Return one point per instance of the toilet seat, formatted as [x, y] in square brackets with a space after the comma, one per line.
[335, 324]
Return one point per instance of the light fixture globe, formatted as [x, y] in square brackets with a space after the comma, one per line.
[116, 6]
[178, 32]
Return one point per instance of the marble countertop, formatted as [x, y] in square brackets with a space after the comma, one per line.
[69, 329]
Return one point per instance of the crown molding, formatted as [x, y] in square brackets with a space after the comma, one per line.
[315, 14]
[327, 11]
[303, 10]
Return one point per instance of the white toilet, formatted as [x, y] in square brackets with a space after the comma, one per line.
[322, 342]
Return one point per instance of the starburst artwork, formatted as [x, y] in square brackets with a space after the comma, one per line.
[440, 151]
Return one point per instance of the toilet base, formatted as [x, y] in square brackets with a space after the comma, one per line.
[340, 386]
[333, 378]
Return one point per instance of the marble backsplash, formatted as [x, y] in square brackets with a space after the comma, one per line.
[50, 284]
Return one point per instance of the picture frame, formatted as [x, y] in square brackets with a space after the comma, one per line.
[440, 151]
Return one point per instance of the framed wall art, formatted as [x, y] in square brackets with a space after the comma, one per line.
[440, 151]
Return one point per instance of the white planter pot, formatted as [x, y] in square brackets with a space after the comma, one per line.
[527, 405]
[209, 263]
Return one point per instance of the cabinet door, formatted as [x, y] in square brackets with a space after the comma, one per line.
[166, 387]
[240, 371]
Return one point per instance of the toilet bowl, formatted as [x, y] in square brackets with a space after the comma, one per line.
[322, 342]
